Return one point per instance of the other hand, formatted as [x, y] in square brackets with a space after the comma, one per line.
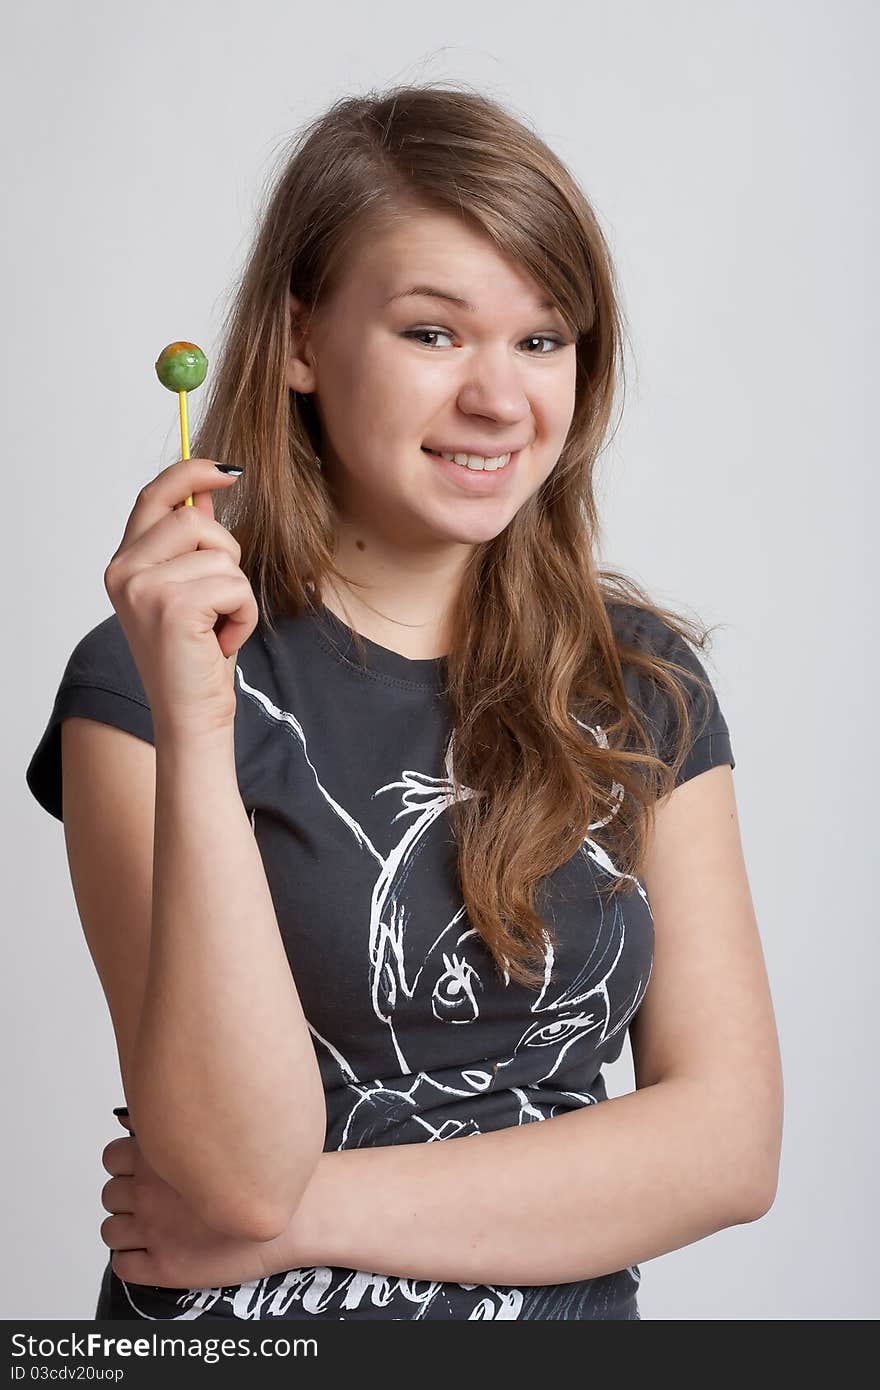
[157, 1238]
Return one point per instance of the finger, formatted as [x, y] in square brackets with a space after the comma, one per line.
[122, 1115]
[202, 502]
[133, 1266]
[118, 1157]
[170, 488]
[121, 1232]
[227, 604]
[117, 1195]
[200, 475]
[174, 533]
[198, 562]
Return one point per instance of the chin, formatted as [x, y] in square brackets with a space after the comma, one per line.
[474, 534]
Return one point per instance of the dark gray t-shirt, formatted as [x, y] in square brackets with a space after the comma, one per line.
[343, 773]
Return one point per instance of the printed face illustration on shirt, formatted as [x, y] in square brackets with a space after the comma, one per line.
[434, 980]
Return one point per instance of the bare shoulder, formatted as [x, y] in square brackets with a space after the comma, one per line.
[708, 1013]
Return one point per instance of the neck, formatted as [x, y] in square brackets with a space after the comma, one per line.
[400, 599]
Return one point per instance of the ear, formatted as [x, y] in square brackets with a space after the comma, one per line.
[300, 374]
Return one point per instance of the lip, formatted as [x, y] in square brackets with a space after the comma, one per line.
[494, 451]
[476, 480]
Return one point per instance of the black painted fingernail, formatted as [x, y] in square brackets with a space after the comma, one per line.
[120, 1110]
[229, 469]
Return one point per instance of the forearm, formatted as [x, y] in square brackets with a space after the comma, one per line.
[553, 1201]
[227, 1101]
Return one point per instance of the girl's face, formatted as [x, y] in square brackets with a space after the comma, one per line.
[395, 373]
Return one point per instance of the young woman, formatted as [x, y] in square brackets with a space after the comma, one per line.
[383, 803]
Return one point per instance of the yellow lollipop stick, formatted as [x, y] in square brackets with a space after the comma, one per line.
[182, 367]
[184, 426]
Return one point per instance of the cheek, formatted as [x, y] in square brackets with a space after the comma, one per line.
[418, 379]
[560, 398]
[554, 398]
[381, 389]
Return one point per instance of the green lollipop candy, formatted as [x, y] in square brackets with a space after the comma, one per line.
[182, 367]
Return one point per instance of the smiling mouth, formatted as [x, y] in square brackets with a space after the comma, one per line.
[473, 468]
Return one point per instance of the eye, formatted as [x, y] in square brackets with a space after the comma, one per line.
[542, 338]
[561, 1030]
[444, 333]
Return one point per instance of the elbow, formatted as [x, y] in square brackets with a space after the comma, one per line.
[248, 1210]
[752, 1196]
[246, 1219]
[246, 1223]
[759, 1199]
[736, 1203]
[750, 1157]
[763, 1170]
[260, 1220]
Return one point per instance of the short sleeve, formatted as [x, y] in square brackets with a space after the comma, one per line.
[101, 682]
[710, 743]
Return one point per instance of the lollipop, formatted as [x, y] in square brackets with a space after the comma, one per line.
[182, 367]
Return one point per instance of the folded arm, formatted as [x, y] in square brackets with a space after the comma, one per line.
[549, 1202]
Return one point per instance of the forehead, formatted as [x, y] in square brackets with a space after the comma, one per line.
[438, 251]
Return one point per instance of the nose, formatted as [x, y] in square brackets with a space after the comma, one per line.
[493, 388]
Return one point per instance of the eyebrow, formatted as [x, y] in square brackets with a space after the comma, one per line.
[431, 292]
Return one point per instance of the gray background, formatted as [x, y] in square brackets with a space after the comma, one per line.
[729, 152]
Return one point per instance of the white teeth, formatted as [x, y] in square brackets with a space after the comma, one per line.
[475, 461]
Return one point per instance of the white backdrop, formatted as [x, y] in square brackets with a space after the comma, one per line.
[729, 151]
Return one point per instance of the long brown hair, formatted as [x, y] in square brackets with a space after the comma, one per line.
[532, 637]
